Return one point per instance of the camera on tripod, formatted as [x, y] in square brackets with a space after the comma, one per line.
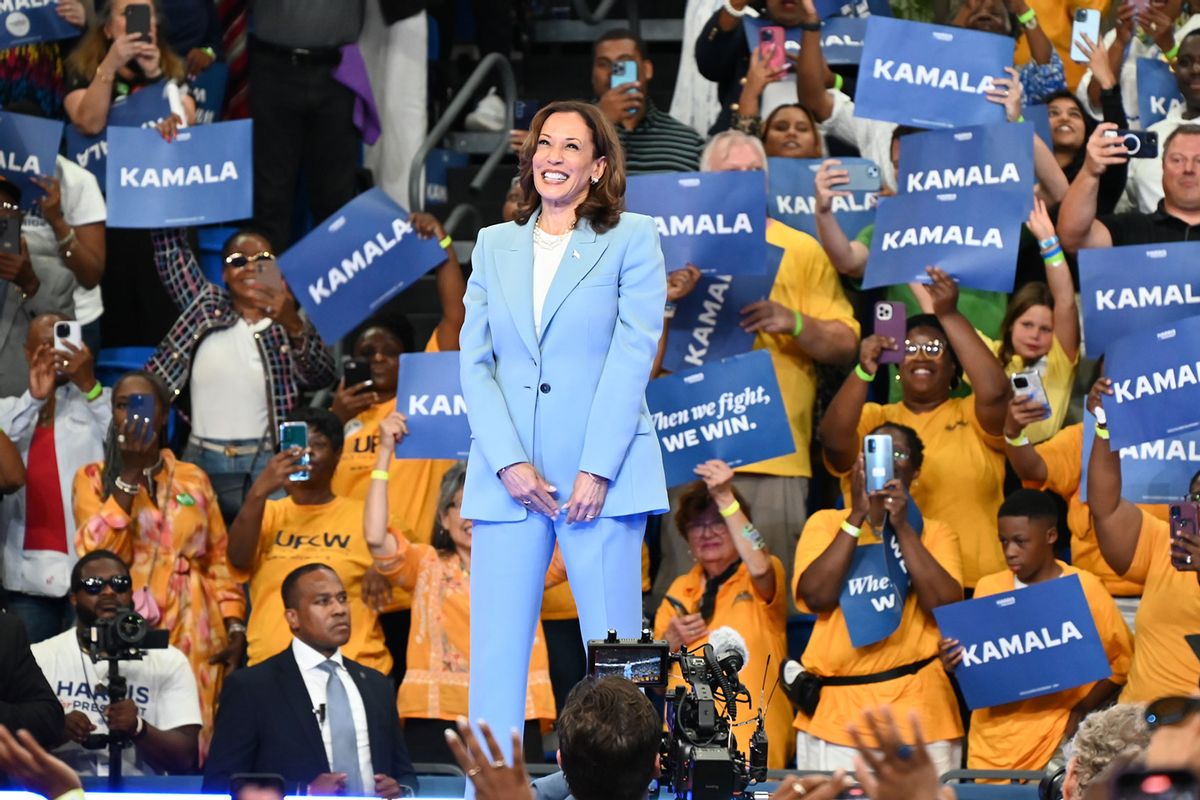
[700, 757]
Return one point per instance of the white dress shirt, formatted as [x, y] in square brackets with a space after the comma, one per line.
[315, 680]
[545, 266]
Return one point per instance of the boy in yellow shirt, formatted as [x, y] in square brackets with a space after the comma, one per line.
[1027, 734]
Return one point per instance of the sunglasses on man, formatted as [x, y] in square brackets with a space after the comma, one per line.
[94, 585]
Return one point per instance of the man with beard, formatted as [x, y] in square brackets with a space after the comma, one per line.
[160, 716]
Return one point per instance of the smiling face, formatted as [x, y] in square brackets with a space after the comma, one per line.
[1028, 545]
[1033, 333]
[1066, 124]
[925, 377]
[564, 160]
[458, 528]
[709, 540]
[246, 251]
[1181, 172]
[791, 134]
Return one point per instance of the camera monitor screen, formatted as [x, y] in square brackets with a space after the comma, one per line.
[644, 665]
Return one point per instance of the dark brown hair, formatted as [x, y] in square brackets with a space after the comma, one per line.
[695, 501]
[608, 736]
[93, 47]
[606, 198]
[1034, 293]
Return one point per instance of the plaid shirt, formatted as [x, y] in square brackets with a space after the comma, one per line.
[290, 365]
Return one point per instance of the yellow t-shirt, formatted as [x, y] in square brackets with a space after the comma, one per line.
[764, 627]
[830, 653]
[961, 480]
[806, 282]
[1063, 455]
[1025, 734]
[1054, 18]
[293, 535]
[1163, 662]
[439, 643]
[413, 484]
[1058, 376]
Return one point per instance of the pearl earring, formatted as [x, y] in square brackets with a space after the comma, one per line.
[595, 181]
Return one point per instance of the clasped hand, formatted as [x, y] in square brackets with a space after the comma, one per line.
[525, 485]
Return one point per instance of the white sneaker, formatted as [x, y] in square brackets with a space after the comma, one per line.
[488, 114]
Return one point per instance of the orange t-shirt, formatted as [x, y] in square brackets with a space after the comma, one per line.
[1163, 662]
[830, 653]
[1063, 455]
[1025, 734]
[763, 624]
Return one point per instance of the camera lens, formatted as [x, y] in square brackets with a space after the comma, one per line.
[1174, 512]
[1132, 143]
[871, 446]
[62, 329]
[1081, 15]
[1020, 382]
[130, 628]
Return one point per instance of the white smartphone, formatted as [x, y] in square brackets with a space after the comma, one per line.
[1029, 384]
[1085, 21]
[67, 330]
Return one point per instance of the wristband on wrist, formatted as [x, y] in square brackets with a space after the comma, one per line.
[862, 374]
[380, 475]
[1170, 54]
[751, 534]
[850, 529]
[235, 628]
[799, 323]
[208, 51]
[94, 392]
[445, 242]
[1028, 14]
[1102, 432]
[731, 11]
[1055, 259]
[838, 81]
[730, 509]
[1020, 118]
[810, 26]
[1048, 244]
[1019, 441]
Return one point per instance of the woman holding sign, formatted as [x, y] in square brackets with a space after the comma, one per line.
[564, 314]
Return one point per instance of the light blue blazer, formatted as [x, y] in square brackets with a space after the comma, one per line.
[572, 399]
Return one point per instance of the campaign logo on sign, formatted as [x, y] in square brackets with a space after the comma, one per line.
[1026, 643]
[1158, 91]
[972, 234]
[792, 196]
[429, 394]
[208, 90]
[1124, 289]
[32, 22]
[714, 220]
[204, 176]
[1151, 472]
[828, 9]
[841, 38]
[706, 323]
[731, 410]
[28, 147]
[1155, 374]
[930, 76]
[968, 158]
[142, 109]
[355, 261]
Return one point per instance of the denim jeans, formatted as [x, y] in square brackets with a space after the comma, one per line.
[231, 476]
[43, 616]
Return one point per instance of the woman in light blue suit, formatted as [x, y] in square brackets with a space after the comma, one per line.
[564, 314]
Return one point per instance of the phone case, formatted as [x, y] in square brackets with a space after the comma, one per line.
[295, 434]
[774, 35]
[356, 372]
[623, 72]
[10, 235]
[861, 178]
[1086, 21]
[1183, 518]
[891, 319]
[877, 455]
[141, 405]
[1029, 384]
[73, 334]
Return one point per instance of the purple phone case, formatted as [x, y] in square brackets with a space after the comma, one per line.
[893, 326]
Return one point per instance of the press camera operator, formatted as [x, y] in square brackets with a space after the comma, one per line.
[160, 716]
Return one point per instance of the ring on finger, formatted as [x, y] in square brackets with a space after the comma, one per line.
[120, 438]
[499, 763]
[473, 771]
[526, 502]
[799, 789]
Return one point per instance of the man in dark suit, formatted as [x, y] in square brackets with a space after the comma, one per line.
[26, 699]
[327, 724]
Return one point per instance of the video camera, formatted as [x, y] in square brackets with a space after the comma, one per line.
[700, 759]
[125, 636]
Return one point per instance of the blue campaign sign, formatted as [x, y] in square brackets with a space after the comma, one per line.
[842, 38]
[1155, 375]
[429, 394]
[731, 410]
[965, 158]
[705, 326]
[714, 220]
[355, 261]
[437, 174]
[1157, 471]
[930, 76]
[142, 109]
[871, 600]
[1026, 643]
[853, 8]
[204, 176]
[31, 22]
[208, 90]
[1124, 289]
[973, 234]
[1158, 91]
[28, 147]
[1038, 115]
[791, 197]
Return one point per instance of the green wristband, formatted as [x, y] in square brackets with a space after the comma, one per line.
[838, 82]
[862, 374]
[1025, 17]
[1170, 54]
[1056, 260]
[94, 392]
[799, 323]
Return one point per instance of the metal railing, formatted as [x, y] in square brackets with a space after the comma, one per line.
[601, 13]
[508, 88]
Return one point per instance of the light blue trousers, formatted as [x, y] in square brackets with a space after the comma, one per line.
[508, 573]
